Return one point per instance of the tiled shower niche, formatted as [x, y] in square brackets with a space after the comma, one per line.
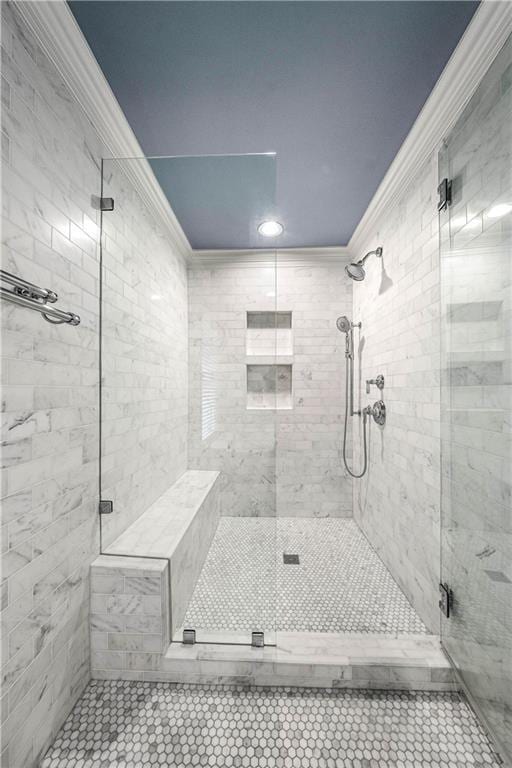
[269, 357]
[269, 386]
[269, 333]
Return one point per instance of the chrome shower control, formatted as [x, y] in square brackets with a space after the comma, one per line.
[378, 411]
[379, 382]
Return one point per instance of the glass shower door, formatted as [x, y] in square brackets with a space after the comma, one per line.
[476, 398]
[232, 405]
[190, 384]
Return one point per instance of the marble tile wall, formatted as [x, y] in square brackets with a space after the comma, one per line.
[269, 386]
[51, 169]
[285, 461]
[239, 442]
[144, 357]
[130, 621]
[397, 502]
[311, 479]
[476, 399]
[51, 180]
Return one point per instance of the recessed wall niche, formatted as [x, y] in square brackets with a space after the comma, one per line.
[269, 386]
[269, 357]
[269, 333]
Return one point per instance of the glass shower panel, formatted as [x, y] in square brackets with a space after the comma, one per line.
[476, 398]
[190, 383]
[233, 397]
[313, 491]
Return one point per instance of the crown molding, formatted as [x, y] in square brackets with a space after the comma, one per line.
[481, 42]
[281, 257]
[59, 35]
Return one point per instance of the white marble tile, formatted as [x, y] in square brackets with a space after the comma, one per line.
[339, 584]
[162, 526]
[272, 461]
[179, 526]
[50, 235]
[130, 613]
[145, 360]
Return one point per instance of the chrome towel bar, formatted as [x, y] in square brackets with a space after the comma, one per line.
[31, 296]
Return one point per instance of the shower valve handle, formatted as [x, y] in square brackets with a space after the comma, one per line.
[379, 382]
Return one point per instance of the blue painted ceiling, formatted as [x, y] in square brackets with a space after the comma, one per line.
[331, 87]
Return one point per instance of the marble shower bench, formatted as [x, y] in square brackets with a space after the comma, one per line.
[141, 585]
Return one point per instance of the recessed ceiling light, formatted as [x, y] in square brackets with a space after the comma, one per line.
[499, 210]
[270, 228]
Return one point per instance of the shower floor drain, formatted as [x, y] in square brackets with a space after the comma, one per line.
[291, 559]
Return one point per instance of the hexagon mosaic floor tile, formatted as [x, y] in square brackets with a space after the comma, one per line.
[339, 584]
[134, 725]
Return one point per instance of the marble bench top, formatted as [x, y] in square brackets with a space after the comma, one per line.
[157, 532]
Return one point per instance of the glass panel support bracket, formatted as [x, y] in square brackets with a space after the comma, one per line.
[258, 639]
[189, 637]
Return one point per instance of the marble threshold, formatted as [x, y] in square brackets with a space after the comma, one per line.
[309, 659]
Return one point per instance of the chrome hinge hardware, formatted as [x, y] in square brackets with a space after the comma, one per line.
[105, 507]
[189, 637]
[106, 203]
[444, 191]
[446, 599]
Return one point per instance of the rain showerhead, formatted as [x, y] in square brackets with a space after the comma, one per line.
[343, 324]
[355, 270]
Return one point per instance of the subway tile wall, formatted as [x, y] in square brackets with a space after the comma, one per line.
[397, 502]
[223, 434]
[51, 175]
[311, 478]
[50, 236]
[130, 616]
[284, 461]
[144, 357]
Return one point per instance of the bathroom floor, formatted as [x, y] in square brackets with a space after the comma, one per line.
[133, 724]
[338, 585]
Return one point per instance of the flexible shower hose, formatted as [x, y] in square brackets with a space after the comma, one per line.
[353, 474]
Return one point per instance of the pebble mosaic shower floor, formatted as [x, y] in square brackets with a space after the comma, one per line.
[339, 585]
[127, 725]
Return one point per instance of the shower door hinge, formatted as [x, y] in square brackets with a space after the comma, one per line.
[445, 194]
[106, 203]
[106, 507]
[446, 599]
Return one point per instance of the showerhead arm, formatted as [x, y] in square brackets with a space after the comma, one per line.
[376, 252]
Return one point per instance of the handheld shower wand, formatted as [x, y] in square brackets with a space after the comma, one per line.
[344, 325]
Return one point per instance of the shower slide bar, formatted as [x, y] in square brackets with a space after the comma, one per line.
[31, 296]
